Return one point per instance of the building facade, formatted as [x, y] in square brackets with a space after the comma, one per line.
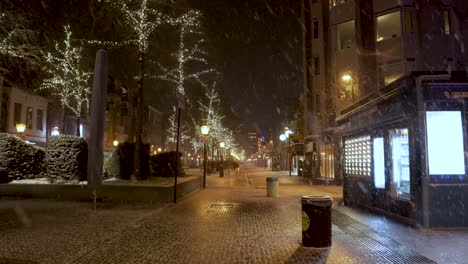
[382, 80]
[21, 107]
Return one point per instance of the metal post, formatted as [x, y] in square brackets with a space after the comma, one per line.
[221, 166]
[289, 156]
[177, 154]
[204, 165]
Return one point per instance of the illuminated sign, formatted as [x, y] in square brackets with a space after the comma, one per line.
[445, 143]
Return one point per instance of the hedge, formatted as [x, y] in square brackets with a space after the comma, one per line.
[163, 164]
[126, 154]
[111, 164]
[18, 159]
[66, 159]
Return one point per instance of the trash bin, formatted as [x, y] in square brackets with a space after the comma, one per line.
[316, 221]
[272, 186]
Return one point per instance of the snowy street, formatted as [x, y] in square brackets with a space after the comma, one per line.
[232, 221]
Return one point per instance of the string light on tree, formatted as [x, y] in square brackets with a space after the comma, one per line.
[68, 81]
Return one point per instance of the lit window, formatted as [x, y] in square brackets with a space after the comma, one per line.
[357, 156]
[40, 119]
[29, 117]
[446, 22]
[400, 162]
[388, 26]
[346, 35]
[445, 143]
[408, 21]
[378, 152]
[327, 161]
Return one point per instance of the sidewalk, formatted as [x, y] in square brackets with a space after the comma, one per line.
[232, 221]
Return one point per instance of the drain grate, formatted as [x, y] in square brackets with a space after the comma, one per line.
[220, 207]
[378, 243]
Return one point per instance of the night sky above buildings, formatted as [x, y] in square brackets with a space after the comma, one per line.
[256, 45]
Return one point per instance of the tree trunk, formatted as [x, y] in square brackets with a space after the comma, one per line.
[62, 121]
[78, 125]
[139, 120]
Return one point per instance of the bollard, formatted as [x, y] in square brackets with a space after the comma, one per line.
[316, 221]
[272, 186]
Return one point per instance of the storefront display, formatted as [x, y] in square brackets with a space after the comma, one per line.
[445, 143]
[400, 162]
[358, 156]
[378, 152]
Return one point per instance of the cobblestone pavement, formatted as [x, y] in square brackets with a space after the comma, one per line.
[230, 222]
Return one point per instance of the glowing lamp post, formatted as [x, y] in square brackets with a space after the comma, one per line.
[20, 128]
[55, 132]
[221, 166]
[205, 131]
[348, 81]
[115, 143]
[283, 138]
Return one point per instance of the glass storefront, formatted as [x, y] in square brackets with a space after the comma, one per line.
[400, 162]
[327, 168]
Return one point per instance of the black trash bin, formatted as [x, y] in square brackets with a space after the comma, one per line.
[316, 221]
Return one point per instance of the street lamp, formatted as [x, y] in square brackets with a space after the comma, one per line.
[115, 143]
[55, 132]
[348, 81]
[20, 128]
[283, 138]
[205, 130]
[221, 167]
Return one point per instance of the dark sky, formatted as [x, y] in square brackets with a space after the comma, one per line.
[256, 45]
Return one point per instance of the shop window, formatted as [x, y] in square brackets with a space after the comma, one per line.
[29, 117]
[378, 152]
[40, 119]
[17, 113]
[400, 162]
[327, 161]
[346, 35]
[357, 156]
[445, 143]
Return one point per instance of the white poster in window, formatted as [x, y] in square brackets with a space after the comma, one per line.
[445, 143]
[379, 163]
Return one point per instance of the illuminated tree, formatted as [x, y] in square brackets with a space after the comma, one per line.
[187, 52]
[172, 130]
[20, 55]
[141, 21]
[68, 81]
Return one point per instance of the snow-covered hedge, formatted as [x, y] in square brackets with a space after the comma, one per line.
[66, 159]
[111, 164]
[18, 159]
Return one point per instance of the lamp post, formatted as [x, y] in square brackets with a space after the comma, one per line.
[55, 132]
[20, 128]
[221, 166]
[205, 130]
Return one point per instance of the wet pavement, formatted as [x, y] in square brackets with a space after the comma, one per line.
[230, 222]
